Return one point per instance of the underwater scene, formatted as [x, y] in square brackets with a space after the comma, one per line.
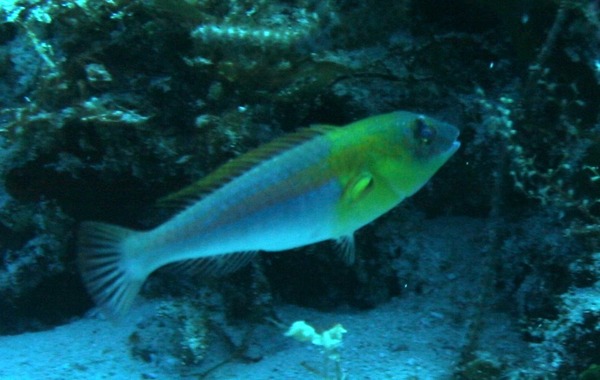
[300, 189]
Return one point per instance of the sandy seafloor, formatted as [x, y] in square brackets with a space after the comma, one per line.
[415, 336]
[398, 340]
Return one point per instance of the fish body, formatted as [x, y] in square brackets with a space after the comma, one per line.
[317, 184]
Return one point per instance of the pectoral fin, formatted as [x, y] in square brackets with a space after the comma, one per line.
[358, 187]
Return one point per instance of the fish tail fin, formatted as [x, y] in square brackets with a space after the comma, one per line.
[108, 272]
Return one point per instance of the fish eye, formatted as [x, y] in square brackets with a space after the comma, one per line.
[424, 133]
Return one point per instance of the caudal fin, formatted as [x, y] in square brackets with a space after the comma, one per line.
[104, 267]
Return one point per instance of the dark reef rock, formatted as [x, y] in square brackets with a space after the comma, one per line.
[109, 106]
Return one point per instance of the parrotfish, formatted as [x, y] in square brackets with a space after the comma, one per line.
[316, 184]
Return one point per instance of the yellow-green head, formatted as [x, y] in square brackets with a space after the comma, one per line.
[383, 159]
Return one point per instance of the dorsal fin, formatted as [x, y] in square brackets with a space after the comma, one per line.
[239, 165]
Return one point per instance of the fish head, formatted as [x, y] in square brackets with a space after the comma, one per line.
[419, 145]
[381, 160]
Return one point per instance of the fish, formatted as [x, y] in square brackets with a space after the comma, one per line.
[318, 183]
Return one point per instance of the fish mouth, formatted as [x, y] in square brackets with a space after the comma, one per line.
[453, 134]
[453, 148]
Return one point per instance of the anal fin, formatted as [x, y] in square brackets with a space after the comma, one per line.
[215, 265]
